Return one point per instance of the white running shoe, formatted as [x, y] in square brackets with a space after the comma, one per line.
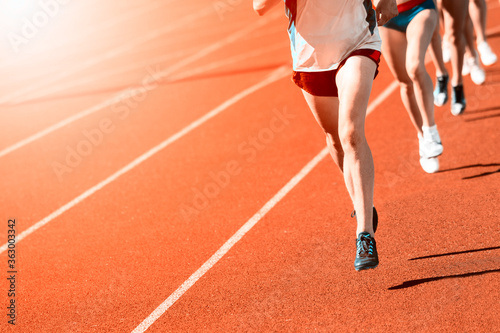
[488, 57]
[430, 145]
[458, 102]
[477, 74]
[441, 91]
[430, 165]
[446, 51]
[467, 66]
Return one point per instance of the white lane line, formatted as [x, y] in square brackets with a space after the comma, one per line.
[272, 77]
[218, 45]
[58, 125]
[160, 310]
[228, 61]
[159, 59]
[20, 95]
[134, 91]
[102, 75]
[163, 307]
[110, 54]
[89, 31]
[382, 96]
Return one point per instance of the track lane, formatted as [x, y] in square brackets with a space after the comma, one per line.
[107, 248]
[255, 301]
[170, 239]
[62, 172]
[46, 150]
[294, 271]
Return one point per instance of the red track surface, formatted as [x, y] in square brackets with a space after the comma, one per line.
[105, 263]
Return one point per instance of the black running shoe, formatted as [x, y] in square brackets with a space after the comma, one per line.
[366, 252]
[441, 91]
[458, 100]
[375, 218]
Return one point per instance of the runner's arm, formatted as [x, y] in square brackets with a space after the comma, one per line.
[263, 6]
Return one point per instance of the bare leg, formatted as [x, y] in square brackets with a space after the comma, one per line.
[405, 55]
[347, 143]
[472, 65]
[477, 10]
[394, 48]
[326, 112]
[470, 51]
[436, 52]
[455, 13]
[354, 80]
[419, 35]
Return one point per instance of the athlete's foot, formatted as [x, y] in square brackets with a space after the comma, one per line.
[441, 91]
[488, 57]
[466, 67]
[429, 164]
[366, 252]
[429, 145]
[477, 74]
[458, 102]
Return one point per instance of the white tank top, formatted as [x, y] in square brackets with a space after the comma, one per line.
[324, 32]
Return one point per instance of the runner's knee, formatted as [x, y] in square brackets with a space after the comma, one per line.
[416, 70]
[351, 139]
[406, 84]
[406, 88]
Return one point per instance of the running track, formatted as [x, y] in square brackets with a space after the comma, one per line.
[137, 138]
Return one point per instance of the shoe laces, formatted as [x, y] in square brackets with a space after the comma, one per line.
[365, 245]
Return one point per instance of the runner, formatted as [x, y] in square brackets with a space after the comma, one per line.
[437, 53]
[472, 65]
[336, 50]
[405, 41]
[477, 11]
[455, 16]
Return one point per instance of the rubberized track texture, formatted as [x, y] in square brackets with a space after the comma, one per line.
[165, 175]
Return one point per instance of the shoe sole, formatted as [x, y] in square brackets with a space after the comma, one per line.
[478, 81]
[364, 268]
[438, 102]
[426, 165]
[488, 63]
[460, 109]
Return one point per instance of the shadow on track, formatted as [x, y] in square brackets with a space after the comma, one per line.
[474, 111]
[413, 283]
[455, 253]
[484, 117]
[493, 35]
[482, 174]
[488, 173]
